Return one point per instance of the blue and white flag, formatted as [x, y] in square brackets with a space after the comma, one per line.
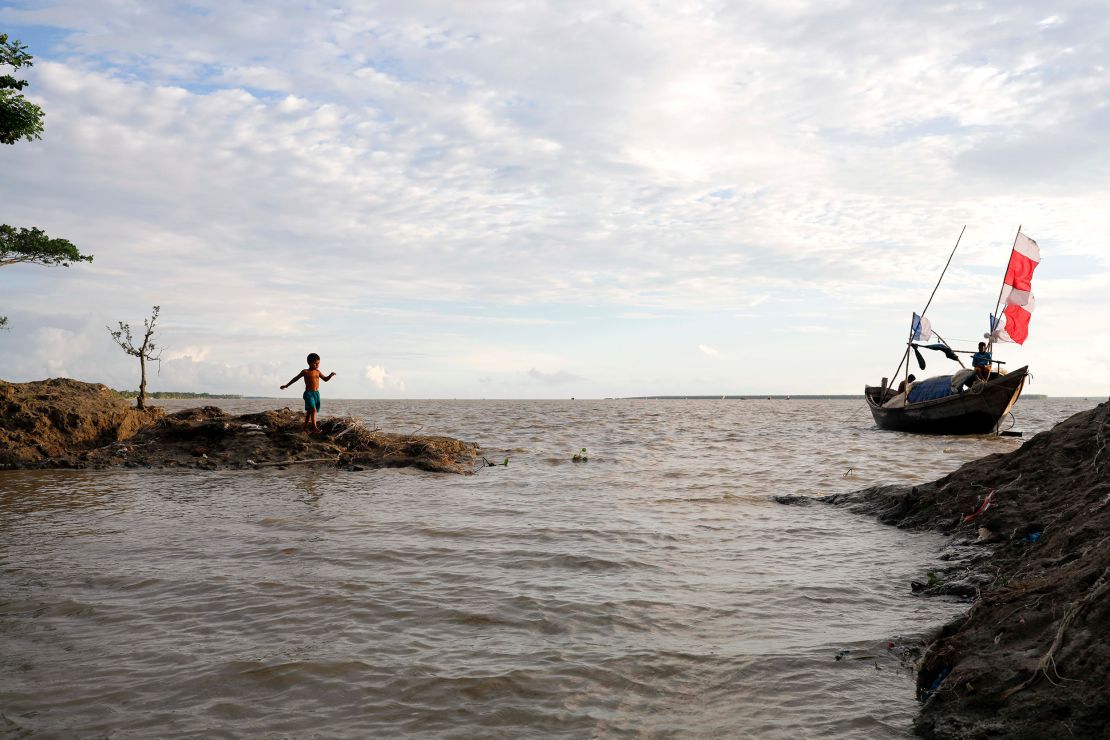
[922, 329]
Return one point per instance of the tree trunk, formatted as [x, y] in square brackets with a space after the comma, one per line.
[142, 384]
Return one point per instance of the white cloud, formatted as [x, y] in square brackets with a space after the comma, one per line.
[196, 354]
[188, 374]
[382, 380]
[511, 182]
[558, 377]
[708, 351]
[57, 349]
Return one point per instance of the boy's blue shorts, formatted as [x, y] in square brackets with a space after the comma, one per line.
[312, 400]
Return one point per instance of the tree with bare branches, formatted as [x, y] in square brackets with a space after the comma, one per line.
[144, 351]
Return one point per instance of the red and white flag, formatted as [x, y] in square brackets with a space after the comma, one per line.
[1017, 296]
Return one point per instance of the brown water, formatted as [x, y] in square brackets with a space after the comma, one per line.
[654, 590]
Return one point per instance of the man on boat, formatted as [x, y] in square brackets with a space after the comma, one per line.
[902, 386]
[981, 362]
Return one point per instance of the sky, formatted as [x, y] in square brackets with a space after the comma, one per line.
[556, 199]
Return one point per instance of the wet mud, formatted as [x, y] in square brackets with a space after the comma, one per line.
[1030, 550]
[65, 423]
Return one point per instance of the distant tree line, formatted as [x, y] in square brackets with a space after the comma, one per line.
[174, 394]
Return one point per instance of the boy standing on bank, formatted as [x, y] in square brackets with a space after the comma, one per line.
[312, 377]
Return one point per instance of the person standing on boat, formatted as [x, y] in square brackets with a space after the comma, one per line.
[981, 362]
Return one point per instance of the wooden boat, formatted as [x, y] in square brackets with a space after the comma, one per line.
[962, 403]
[976, 410]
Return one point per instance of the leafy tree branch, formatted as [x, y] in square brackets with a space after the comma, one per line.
[22, 119]
[19, 117]
[33, 246]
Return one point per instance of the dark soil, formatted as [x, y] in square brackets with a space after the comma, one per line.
[53, 419]
[69, 424]
[1031, 658]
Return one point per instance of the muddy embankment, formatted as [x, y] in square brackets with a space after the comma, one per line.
[1030, 546]
[63, 423]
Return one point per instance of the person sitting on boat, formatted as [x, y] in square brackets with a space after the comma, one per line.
[981, 362]
[906, 383]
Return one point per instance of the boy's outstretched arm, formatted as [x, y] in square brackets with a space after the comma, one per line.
[327, 377]
[295, 379]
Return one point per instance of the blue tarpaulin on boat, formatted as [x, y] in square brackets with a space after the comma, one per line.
[931, 388]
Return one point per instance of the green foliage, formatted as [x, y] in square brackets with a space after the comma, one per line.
[580, 457]
[19, 117]
[35, 247]
[13, 54]
[22, 119]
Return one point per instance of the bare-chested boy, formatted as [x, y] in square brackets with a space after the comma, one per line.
[312, 377]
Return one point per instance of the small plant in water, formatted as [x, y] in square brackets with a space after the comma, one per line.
[580, 457]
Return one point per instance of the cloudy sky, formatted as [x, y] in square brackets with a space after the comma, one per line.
[552, 199]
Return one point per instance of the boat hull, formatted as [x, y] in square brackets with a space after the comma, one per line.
[978, 410]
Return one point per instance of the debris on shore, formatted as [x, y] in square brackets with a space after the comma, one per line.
[1031, 546]
[63, 423]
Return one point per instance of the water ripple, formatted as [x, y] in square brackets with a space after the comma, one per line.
[655, 590]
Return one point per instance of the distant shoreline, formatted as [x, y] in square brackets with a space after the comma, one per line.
[177, 394]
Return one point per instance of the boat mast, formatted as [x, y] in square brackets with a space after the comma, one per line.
[997, 303]
[909, 339]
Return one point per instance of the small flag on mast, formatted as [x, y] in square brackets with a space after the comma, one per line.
[1013, 324]
[922, 329]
